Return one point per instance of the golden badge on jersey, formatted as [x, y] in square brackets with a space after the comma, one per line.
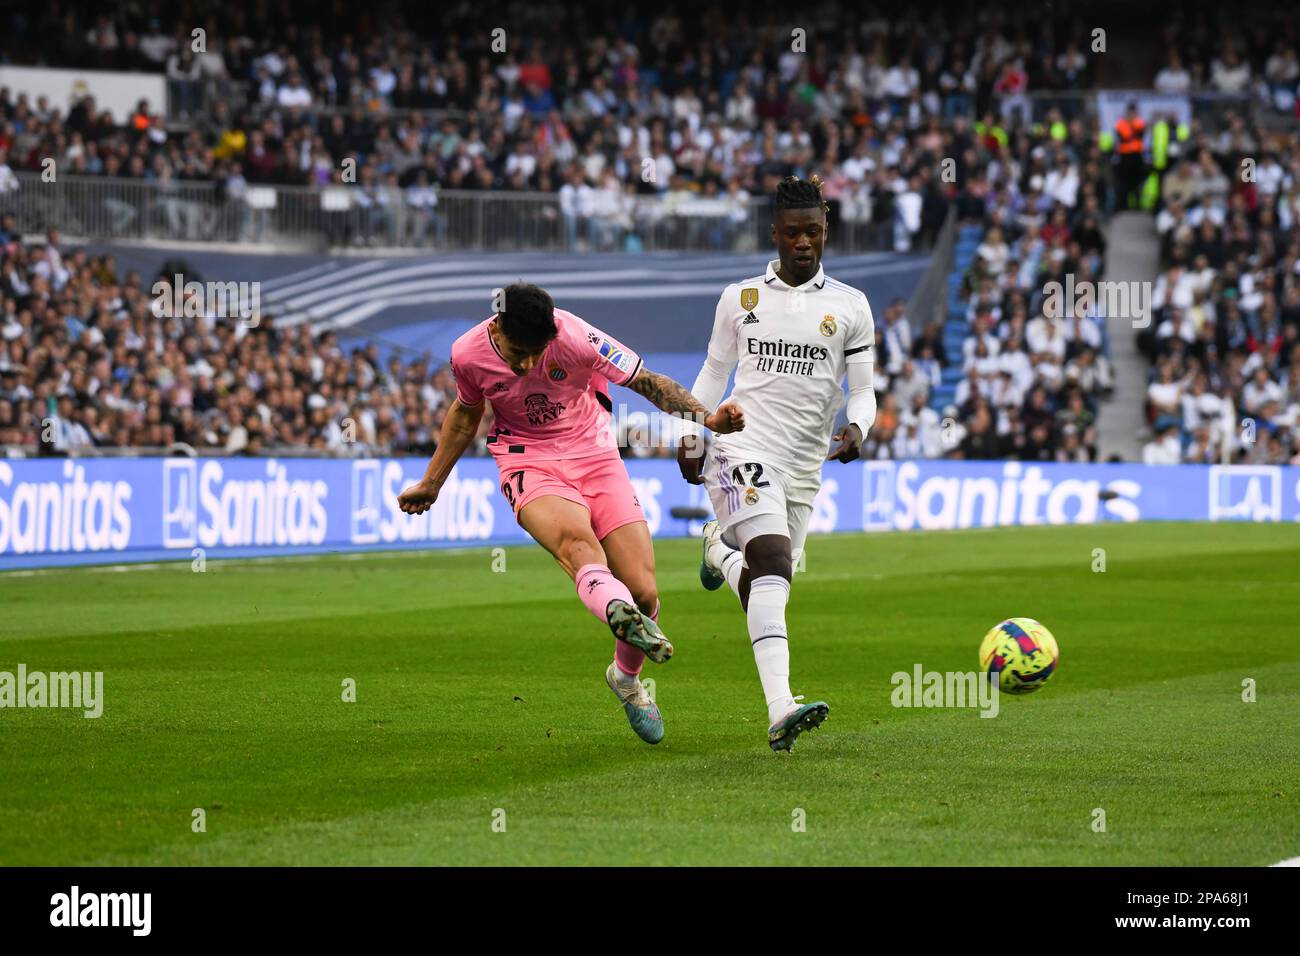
[751, 496]
[828, 325]
[748, 299]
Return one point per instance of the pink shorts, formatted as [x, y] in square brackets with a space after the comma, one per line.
[599, 483]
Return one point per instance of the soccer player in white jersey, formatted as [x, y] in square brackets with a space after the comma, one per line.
[794, 332]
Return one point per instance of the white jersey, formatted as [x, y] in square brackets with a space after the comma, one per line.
[789, 347]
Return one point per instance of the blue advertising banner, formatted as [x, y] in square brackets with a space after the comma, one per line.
[81, 511]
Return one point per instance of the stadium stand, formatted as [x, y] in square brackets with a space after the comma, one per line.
[714, 107]
[1225, 343]
[1246, 48]
[88, 361]
[187, 377]
[1030, 212]
[721, 107]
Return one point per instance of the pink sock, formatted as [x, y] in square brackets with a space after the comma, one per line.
[628, 658]
[597, 586]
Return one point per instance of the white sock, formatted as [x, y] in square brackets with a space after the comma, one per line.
[730, 562]
[766, 617]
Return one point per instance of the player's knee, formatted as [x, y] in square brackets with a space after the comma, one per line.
[777, 565]
[646, 597]
[769, 555]
[576, 551]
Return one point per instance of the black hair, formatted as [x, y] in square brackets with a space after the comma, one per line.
[528, 319]
[796, 193]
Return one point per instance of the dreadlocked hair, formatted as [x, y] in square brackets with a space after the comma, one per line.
[796, 193]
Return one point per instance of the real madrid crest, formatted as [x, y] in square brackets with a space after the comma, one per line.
[751, 496]
[748, 299]
[828, 325]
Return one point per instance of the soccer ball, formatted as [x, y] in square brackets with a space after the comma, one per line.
[1020, 654]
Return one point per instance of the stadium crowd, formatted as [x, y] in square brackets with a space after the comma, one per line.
[703, 112]
[1225, 342]
[1247, 48]
[1225, 339]
[91, 358]
[1032, 372]
[721, 108]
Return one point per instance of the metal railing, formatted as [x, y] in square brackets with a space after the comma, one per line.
[365, 216]
[1209, 106]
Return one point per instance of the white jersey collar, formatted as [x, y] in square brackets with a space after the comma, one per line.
[816, 281]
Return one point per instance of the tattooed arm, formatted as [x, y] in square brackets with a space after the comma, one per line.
[669, 396]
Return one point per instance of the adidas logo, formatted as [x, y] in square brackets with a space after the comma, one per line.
[750, 319]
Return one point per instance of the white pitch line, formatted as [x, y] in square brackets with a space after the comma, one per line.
[271, 559]
[96, 568]
[1294, 861]
[118, 568]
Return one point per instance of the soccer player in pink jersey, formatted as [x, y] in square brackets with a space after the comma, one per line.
[545, 372]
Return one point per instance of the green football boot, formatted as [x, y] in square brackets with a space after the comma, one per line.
[782, 734]
[630, 625]
[642, 712]
[710, 575]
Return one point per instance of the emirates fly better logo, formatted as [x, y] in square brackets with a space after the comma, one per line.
[786, 358]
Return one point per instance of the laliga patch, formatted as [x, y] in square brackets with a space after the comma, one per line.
[615, 356]
[748, 299]
[828, 325]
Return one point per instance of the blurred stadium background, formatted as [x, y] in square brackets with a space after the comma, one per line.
[357, 181]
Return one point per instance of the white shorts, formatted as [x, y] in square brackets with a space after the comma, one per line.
[753, 498]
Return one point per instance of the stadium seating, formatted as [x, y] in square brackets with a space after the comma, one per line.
[426, 115]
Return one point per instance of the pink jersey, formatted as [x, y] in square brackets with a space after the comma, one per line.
[554, 410]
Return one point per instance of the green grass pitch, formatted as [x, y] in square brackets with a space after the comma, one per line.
[480, 698]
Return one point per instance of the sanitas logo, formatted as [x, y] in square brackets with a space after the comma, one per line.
[68, 515]
[273, 510]
[462, 512]
[898, 497]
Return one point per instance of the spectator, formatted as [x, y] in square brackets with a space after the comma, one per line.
[1164, 450]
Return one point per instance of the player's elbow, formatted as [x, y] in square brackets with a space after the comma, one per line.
[464, 419]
